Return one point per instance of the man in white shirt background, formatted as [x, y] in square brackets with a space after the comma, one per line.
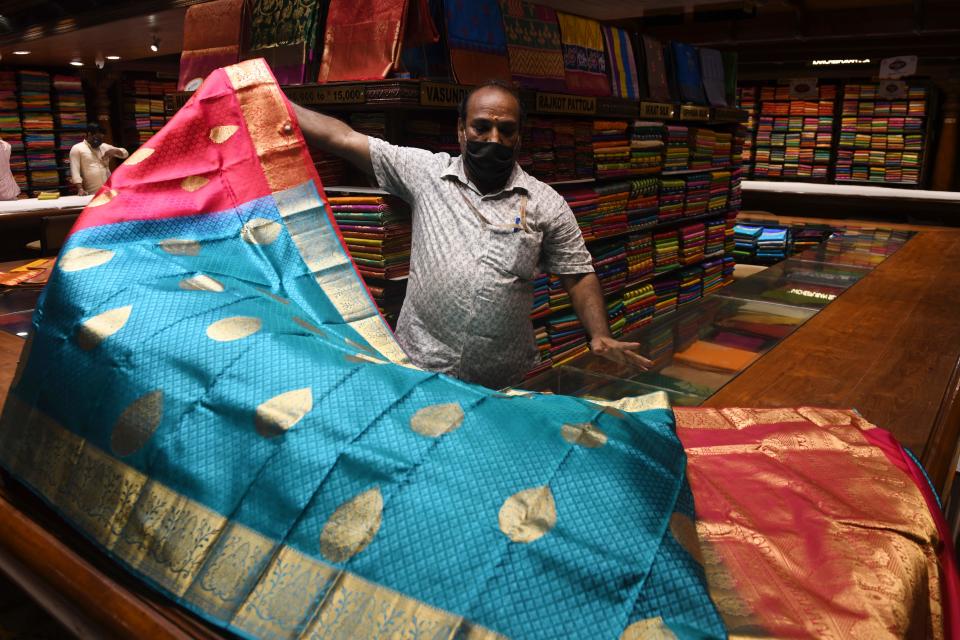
[8, 186]
[90, 160]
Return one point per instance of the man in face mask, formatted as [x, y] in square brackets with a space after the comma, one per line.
[90, 161]
[482, 229]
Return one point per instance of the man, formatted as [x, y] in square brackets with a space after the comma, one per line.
[481, 227]
[90, 161]
[9, 189]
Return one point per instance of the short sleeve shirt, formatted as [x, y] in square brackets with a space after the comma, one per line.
[470, 289]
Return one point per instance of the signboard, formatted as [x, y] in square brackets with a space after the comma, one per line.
[801, 88]
[892, 90]
[328, 94]
[565, 104]
[898, 67]
[660, 110]
[438, 94]
[691, 112]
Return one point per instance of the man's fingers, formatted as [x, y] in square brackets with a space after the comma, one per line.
[637, 359]
[630, 345]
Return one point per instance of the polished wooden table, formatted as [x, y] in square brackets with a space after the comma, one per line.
[889, 347]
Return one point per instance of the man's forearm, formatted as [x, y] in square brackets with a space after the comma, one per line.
[587, 299]
[335, 137]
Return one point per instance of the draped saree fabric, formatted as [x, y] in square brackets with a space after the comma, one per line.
[622, 63]
[211, 397]
[815, 523]
[477, 41]
[583, 55]
[364, 40]
[212, 38]
[285, 34]
[533, 42]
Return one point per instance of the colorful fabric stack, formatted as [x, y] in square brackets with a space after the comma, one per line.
[388, 295]
[736, 189]
[881, 140]
[533, 45]
[728, 267]
[747, 100]
[666, 251]
[723, 149]
[143, 108]
[583, 140]
[639, 257]
[745, 237]
[585, 65]
[477, 40]
[616, 319]
[541, 141]
[697, 195]
[330, 167]
[729, 237]
[38, 138]
[11, 130]
[212, 34]
[437, 134]
[702, 144]
[639, 301]
[610, 218]
[542, 339]
[71, 113]
[672, 192]
[377, 233]
[610, 265]
[564, 149]
[715, 236]
[712, 275]
[691, 285]
[568, 340]
[719, 191]
[611, 148]
[693, 242]
[541, 296]
[646, 147]
[772, 244]
[621, 62]
[583, 203]
[559, 298]
[794, 136]
[677, 157]
[643, 205]
[666, 290]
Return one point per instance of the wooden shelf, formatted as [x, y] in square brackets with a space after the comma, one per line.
[425, 94]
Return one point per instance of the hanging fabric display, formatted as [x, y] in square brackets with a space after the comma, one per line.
[478, 43]
[284, 33]
[212, 38]
[622, 63]
[533, 42]
[583, 56]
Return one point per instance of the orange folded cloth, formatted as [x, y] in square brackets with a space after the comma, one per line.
[718, 357]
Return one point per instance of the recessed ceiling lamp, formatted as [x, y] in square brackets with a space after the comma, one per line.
[155, 45]
[113, 57]
[76, 63]
[21, 53]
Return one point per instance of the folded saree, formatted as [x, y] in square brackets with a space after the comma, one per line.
[212, 398]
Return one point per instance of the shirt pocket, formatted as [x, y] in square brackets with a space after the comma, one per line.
[516, 253]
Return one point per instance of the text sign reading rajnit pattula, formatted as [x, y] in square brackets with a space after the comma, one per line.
[435, 94]
[561, 103]
[328, 94]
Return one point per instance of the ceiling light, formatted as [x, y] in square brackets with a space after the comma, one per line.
[76, 63]
[155, 45]
[113, 57]
[20, 53]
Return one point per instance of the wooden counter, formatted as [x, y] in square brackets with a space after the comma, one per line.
[888, 347]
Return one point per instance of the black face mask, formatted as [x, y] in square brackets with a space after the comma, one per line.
[489, 164]
[96, 141]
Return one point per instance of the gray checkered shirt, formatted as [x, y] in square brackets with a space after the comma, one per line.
[470, 292]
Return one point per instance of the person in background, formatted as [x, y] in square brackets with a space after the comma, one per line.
[9, 189]
[482, 227]
[90, 161]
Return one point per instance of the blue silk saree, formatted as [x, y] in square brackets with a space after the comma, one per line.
[210, 395]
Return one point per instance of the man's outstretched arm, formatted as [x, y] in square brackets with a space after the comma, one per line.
[335, 137]
[587, 299]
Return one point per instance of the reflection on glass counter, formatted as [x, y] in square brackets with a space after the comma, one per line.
[17, 299]
[799, 283]
[16, 323]
[694, 351]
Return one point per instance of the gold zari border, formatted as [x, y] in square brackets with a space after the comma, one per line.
[221, 568]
